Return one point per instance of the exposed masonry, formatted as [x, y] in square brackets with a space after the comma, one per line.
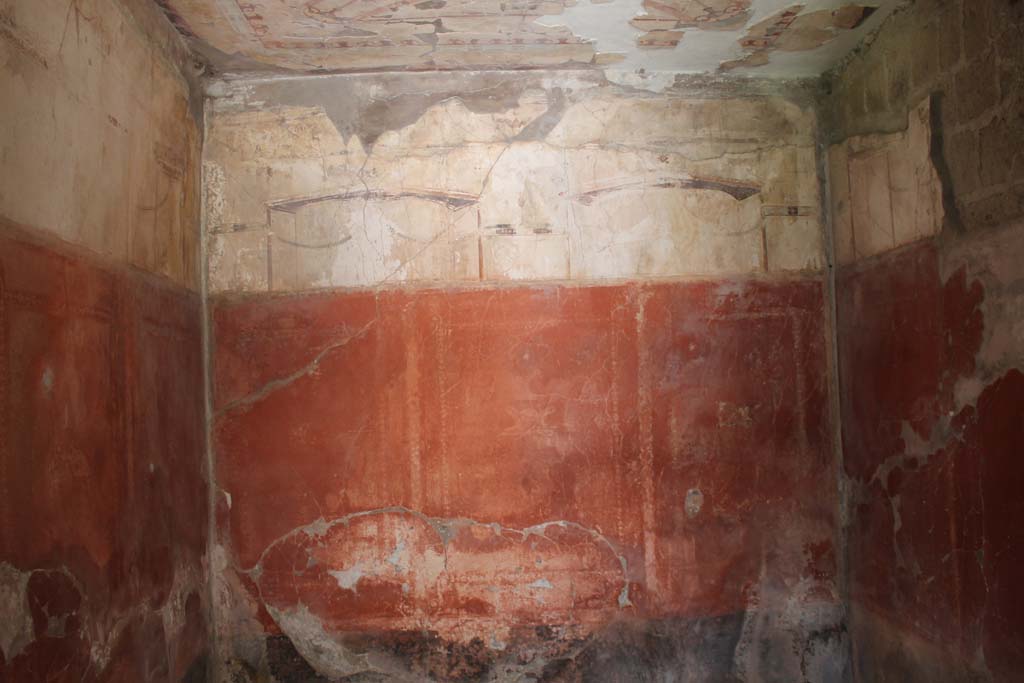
[966, 56]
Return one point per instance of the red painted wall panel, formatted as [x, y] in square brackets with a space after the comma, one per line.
[932, 555]
[475, 462]
[102, 494]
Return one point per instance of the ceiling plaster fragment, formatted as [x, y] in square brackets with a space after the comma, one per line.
[793, 30]
[637, 38]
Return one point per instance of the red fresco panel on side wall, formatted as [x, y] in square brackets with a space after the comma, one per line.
[932, 546]
[102, 487]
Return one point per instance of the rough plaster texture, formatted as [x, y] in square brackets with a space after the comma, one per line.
[768, 37]
[931, 342]
[499, 475]
[100, 145]
[362, 181]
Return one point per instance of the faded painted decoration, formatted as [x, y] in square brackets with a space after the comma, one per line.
[795, 30]
[553, 178]
[100, 147]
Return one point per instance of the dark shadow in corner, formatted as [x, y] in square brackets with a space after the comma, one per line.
[952, 220]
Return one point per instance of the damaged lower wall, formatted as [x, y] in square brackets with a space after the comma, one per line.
[926, 181]
[519, 377]
[103, 523]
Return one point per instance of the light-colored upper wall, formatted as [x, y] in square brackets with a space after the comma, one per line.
[98, 144]
[369, 180]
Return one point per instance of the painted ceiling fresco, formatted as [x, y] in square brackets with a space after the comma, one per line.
[769, 37]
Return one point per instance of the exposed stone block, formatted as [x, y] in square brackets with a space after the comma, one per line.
[961, 154]
[877, 87]
[978, 28]
[977, 88]
[949, 36]
[1001, 144]
[924, 55]
[999, 208]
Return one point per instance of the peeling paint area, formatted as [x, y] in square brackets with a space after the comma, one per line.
[366, 35]
[795, 30]
[645, 36]
[661, 21]
[524, 478]
[511, 178]
[396, 569]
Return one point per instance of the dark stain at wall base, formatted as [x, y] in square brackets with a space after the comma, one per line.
[696, 649]
[285, 664]
[706, 649]
[197, 672]
[685, 649]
